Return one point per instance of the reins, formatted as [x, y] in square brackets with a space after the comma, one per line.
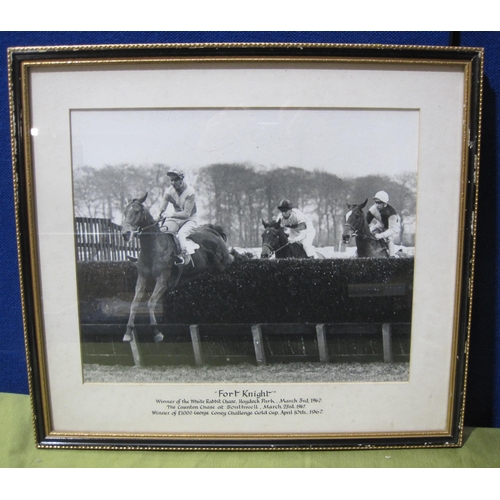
[142, 229]
[277, 250]
[285, 245]
[356, 234]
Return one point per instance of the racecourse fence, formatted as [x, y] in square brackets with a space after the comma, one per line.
[257, 312]
[99, 239]
[258, 344]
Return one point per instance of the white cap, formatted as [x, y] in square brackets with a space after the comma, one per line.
[382, 196]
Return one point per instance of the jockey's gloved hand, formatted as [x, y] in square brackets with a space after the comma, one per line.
[379, 236]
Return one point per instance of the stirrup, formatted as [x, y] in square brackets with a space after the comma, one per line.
[184, 259]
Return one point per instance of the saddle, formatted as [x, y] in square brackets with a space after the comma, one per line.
[177, 245]
[166, 230]
[172, 226]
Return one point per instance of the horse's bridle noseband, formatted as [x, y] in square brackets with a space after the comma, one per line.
[139, 230]
[355, 234]
[354, 231]
[265, 245]
[274, 251]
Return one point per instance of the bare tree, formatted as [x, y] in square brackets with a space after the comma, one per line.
[105, 192]
[329, 193]
[231, 195]
[238, 196]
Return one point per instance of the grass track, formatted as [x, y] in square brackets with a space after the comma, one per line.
[276, 373]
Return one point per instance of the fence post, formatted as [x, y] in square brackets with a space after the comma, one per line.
[322, 346]
[134, 346]
[387, 342]
[196, 340]
[258, 345]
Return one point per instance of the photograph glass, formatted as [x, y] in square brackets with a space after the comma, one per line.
[266, 252]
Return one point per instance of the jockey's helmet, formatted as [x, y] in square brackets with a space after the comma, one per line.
[382, 196]
[175, 172]
[285, 205]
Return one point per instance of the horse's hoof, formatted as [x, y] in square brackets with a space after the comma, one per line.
[127, 337]
[158, 337]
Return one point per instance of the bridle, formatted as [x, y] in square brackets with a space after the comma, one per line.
[161, 219]
[270, 248]
[355, 233]
[137, 231]
[272, 252]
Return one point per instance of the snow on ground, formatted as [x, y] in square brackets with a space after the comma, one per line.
[329, 252]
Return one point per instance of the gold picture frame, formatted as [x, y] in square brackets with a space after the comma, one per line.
[254, 123]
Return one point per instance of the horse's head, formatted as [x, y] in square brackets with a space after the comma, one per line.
[273, 238]
[135, 217]
[354, 221]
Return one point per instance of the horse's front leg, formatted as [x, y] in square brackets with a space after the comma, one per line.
[160, 288]
[140, 290]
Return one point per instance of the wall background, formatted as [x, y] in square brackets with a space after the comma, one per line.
[483, 391]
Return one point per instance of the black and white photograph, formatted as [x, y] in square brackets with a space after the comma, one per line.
[245, 245]
[259, 247]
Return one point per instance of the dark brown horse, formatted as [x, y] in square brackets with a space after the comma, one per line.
[357, 227]
[157, 257]
[275, 242]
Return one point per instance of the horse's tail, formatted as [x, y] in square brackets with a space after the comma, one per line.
[218, 229]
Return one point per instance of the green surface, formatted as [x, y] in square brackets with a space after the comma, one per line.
[17, 449]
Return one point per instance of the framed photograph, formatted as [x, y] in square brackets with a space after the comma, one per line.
[258, 246]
